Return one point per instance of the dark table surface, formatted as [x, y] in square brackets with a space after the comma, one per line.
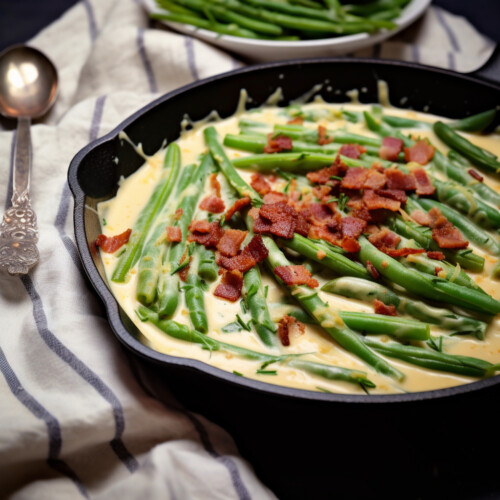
[419, 459]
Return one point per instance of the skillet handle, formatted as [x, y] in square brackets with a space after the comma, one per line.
[491, 70]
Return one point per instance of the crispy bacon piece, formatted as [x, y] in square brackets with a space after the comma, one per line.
[296, 275]
[298, 120]
[205, 233]
[444, 233]
[324, 175]
[212, 204]
[286, 325]
[399, 180]
[390, 149]
[229, 244]
[393, 194]
[322, 192]
[252, 254]
[474, 174]
[230, 286]
[374, 179]
[435, 255]
[303, 225]
[111, 244]
[437, 270]
[421, 152]
[350, 245]
[178, 213]
[215, 184]
[421, 217]
[279, 219]
[278, 144]
[352, 227]
[318, 213]
[260, 184]
[424, 184]
[402, 252]
[353, 151]
[374, 201]
[384, 238]
[174, 234]
[275, 197]
[355, 178]
[381, 308]
[372, 269]
[322, 136]
[237, 206]
[323, 233]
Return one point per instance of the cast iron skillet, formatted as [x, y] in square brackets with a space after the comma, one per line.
[95, 170]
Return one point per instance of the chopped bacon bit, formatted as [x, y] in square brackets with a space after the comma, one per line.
[444, 233]
[381, 308]
[205, 233]
[324, 175]
[350, 245]
[286, 325]
[212, 204]
[435, 255]
[402, 252]
[278, 144]
[296, 275]
[424, 185]
[251, 255]
[260, 184]
[374, 201]
[322, 192]
[352, 227]
[421, 217]
[303, 225]
[372, 269]
[324, 233]
[237, 206]
[355, 178]
[279, 219]
[384, 239]
[111, 244]
[229, 244]
[230, 286]
[437, 270]
[390, 149]
[322, 136]
[174, 234]
[215, 184]
[318, 213]
[275, 197]
[393, 194]
[399, 180]
[374, 180]
[178, 213]
[474, 174]
[353, 151]
[421, 152]
[298, 120]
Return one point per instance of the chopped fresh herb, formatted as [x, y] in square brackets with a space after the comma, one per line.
[343, 199]
[322, 389]
[436, 343]
[286, 175]
[231, 328]
[267, 372]
[266, 364]
[222, 220]
[104, 221]
[245, 326]
[238, 373]
[185, 262]
[332, 200]
[335, 177]
[266, 291]
[243, 306]
[287, 186]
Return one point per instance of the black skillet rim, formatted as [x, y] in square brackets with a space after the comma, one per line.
[202, 368]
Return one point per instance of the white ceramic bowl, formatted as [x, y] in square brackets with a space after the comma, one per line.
[269, 50]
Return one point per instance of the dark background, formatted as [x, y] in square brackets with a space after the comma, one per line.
[20, 20]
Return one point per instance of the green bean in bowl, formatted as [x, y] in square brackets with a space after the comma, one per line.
[338, 248]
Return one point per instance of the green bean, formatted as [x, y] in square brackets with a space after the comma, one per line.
[476, 155]
[295, 162]
[474, 123]
[208, 269]
[155, 205]
[368, 291]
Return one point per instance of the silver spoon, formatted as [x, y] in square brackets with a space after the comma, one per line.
[28, 87]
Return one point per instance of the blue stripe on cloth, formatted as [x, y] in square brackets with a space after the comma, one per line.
[11, 169]
[449, 32]
[51, 422]
[91, 18]
[189, 44]
[96, 118]
[145, 61]
[55, 345]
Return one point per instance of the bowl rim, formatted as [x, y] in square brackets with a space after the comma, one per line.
[112, 307]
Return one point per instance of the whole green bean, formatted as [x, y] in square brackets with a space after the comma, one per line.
[208, 269]
[194, 294]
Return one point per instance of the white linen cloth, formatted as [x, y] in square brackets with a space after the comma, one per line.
[76, 419]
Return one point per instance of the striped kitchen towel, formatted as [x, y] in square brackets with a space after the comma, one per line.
[77, 419]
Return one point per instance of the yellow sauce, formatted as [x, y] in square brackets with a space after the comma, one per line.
[121, 212]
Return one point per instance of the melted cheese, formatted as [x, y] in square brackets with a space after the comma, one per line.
[121, 212]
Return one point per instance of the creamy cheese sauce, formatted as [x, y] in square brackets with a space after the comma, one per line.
[121, 212]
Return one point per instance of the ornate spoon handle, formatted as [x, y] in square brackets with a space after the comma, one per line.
[18, 229]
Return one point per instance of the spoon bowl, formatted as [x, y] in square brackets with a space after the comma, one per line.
[28, 82]
[28, 88]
